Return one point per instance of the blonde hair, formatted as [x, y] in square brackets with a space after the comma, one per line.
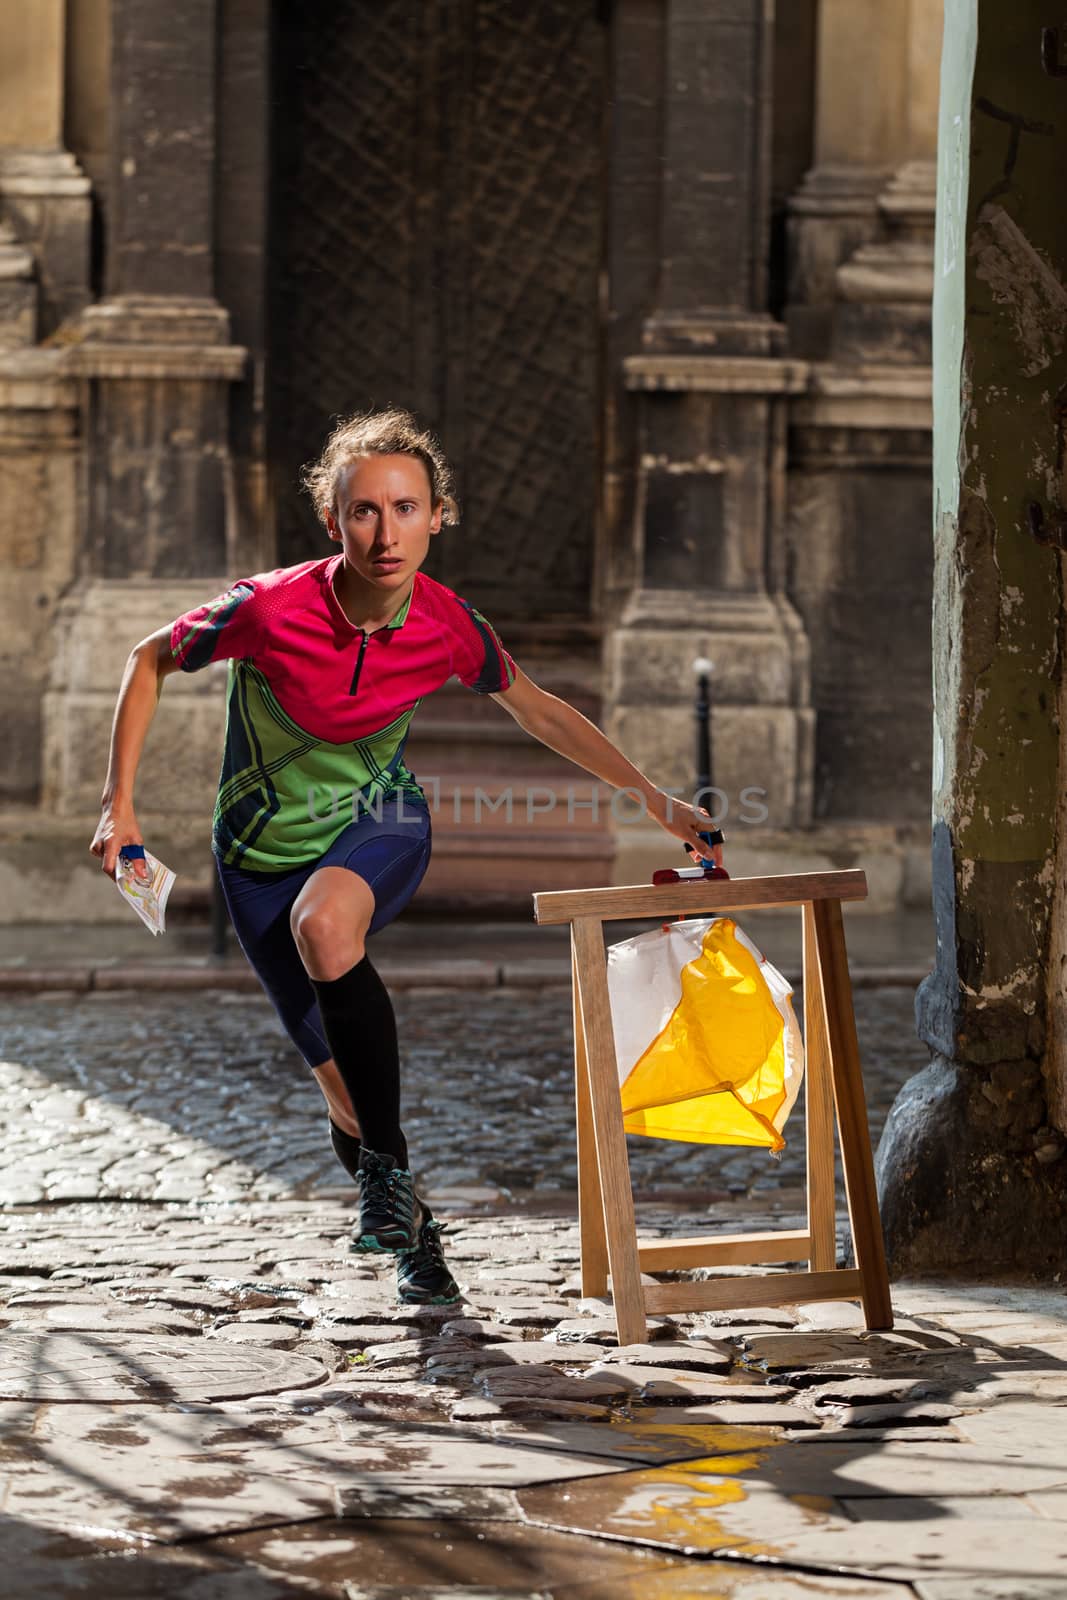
[392, 432]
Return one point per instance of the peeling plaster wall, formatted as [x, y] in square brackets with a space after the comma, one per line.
[999, 325]
[971, 1170]
[1055, 1064]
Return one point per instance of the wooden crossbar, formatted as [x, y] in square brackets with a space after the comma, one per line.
[610, 1248]
[771, 1289]
[722, 1250]
[695, 897]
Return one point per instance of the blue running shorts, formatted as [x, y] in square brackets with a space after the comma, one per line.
[391, 853]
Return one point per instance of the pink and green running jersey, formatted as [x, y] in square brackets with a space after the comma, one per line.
[318, 710]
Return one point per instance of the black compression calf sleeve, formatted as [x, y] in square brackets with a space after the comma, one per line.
[360, 1028]
[346, 1148]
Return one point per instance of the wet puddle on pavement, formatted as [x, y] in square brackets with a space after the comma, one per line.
[386, 1559]
[414, 1557]
[676, 1507]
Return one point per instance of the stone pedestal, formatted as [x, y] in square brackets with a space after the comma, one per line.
[157, 371]
[154, 400]
[95, 628]
[45, 196]
[39, 500]
[833, 214]
[708, 542]
[885, 287]
[858, 551]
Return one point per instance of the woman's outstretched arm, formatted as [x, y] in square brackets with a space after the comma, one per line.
[559, 726]
[142, 684]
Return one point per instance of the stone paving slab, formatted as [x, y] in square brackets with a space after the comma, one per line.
[729, 1580]
[1019, 1549]
[398, 1557]
[170, 1474]
[690, 1509]
[918, 1415]
[533, 1381]
[778, 1352]
[635, 1439]
[132, 1575]
[659, 1384]
[980, 1588]
[743, 1414]
[696, 1509]
[1002, 1432]
[698, 1354]
[902, 1467]
[972, 1508]
[161, 1474]
[378, 1497]
[103, 1319]
[733, 1389]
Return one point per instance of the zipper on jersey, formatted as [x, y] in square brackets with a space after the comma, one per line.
[359, 661]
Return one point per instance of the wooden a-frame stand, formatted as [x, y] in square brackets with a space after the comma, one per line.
[608, 1229]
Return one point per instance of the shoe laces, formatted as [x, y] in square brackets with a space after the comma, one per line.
[430, 1245]
[377, 1182]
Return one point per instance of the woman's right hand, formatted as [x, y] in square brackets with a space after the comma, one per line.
[117, 827]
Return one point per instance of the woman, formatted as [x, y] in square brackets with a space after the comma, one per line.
[321, 833]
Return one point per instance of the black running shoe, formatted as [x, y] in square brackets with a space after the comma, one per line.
[389, 1214]
[422, 1275]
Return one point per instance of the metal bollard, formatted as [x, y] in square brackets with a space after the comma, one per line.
[702, 714]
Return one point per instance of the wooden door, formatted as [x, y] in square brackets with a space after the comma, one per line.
[437, 243]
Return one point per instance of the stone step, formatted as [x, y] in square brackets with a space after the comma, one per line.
[48, 875]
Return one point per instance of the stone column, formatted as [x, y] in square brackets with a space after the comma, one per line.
[156, 366]
[709, 386]
[44, 195]
[971, 1169]
[875, 120]
[44, 265]
[157, 348]
[860, 244]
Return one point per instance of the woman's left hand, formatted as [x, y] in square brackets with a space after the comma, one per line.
[684, 822]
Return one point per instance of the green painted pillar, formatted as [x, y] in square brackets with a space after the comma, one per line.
[971, 1168]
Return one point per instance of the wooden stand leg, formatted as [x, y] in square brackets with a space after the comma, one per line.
[819, 1111]
[851, 1112]
[587, 948]
[590, 1198]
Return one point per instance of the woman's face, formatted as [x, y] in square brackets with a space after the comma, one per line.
[384, 518]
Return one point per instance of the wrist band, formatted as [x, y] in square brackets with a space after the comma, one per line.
[712, 837]
[132, 852]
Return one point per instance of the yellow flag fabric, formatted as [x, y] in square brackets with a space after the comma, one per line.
[708, 1047]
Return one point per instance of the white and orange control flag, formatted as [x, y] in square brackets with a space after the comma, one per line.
[708, 1046]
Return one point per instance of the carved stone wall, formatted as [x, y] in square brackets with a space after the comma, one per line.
[563, 233]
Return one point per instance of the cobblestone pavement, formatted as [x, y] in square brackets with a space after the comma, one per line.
[200, 1096]
[204, 1394]
[218, 1402]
